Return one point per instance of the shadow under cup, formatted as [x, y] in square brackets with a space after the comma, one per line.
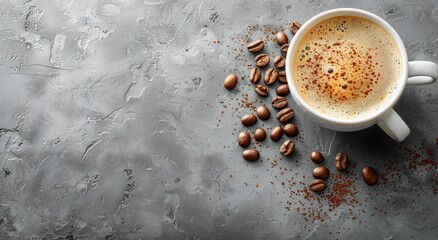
[342, 124]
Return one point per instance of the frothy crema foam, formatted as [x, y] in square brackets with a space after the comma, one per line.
[346, 67]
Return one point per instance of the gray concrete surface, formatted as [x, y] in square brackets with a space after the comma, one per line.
[114, 124]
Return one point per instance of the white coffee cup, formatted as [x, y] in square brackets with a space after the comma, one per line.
[414, 72]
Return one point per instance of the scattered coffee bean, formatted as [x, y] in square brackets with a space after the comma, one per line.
[255, 75]
[261, 90]
[263, 112]
[341, 161]
[279, 102]
[271, 76]
[321, 172]
[317, 185]
[285, 115]
[276, 133]
[230, 81]
[279, 62]
[282, 90]
[282, 77]
[259, 134]
[281, 38]
[249, 119]
[256, 46]
[287, 148]
[316, 157]
[284, 49]
[294, 27]
[262, 60]
[369, 175]
[290, 130]
[251, 155]
[244, 139]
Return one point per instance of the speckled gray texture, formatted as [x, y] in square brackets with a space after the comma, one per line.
[115, 125]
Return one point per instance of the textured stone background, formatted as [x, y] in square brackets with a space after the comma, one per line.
[114, 124]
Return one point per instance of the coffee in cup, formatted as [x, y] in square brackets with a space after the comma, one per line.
[346, 67]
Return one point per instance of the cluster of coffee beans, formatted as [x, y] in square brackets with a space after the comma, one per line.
[321, 174]
[279, 102]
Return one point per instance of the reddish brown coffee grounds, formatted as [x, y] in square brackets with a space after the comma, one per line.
[340, 191]
[422, 156]
[245, 102]
[418, 162]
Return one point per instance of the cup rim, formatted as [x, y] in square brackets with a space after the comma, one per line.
[356, 13]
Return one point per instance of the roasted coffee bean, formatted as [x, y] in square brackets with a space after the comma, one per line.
[256, 46]
[284, 49]
[316, 157]
[263, 112]
[282, 77]
[249, 119]
[369, 175]
[290, 130]
[341, 161]
[279, 102]
[287, 148]
[230, 81]
[294, 27]
[261, 90]
[255, 75]
[279, 62]
[321, 172]
[244, 139]
[281, 38]
[262, 60]
[282, 90]
[251, 155]
[271, 76]
[317, 185]
[276, 133]
[285, 115]
[259, 134]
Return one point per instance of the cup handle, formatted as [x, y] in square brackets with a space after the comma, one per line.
[393, 125]
[419, 72]
[422, 72]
